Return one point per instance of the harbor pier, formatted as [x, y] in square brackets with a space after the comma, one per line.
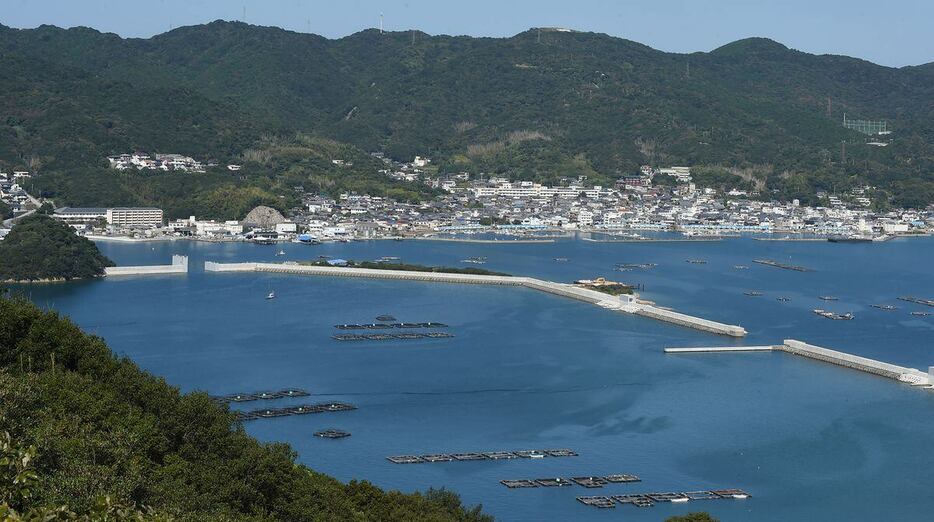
[622, 303]
[179, 266]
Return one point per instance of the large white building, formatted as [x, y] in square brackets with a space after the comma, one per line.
[135, 217]
[123, 217]
[78, 216]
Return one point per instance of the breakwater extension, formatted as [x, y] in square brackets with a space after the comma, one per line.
[911, 376]
[179, 266]
[623, 303]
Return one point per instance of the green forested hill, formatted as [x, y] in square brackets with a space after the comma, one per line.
[40, 247]
[95, 426]
[541, 104]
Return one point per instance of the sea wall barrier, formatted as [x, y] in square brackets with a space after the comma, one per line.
[911, 376]
[488, 241]
[624, 303]
[179, 266]
[721, 349]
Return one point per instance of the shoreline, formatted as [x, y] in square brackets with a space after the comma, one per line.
[49, 281]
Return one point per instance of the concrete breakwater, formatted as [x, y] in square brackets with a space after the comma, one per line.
[623, 303]
[489, 241]
[911, 376]
[179, 266]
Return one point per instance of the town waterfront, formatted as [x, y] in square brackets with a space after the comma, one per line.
[525, 370]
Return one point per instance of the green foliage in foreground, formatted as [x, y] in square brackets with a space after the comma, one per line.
[104, 429]
[410, 268]
[41, 247]
[692, 517]
[611, 289]
[6, 212]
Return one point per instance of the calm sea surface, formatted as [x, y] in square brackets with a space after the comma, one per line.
[809, 441]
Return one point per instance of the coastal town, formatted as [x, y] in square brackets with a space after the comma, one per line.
[635, 207]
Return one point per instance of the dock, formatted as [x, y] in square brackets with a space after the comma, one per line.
[623, 303]
[785, 266]
[179, 266]
[911, 376]
[917, 300]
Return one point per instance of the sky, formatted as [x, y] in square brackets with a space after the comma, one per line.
[888, 32]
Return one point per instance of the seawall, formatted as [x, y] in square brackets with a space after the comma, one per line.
[623, 303]
[179, 266]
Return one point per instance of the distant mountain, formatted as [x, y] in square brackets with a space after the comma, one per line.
[540, 105]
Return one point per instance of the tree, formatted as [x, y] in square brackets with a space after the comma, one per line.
[701, 516]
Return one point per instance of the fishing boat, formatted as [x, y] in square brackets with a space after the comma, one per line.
[474, 260]
[829, 298]
[697, 261]
[921, 314]
[783, 299]
[752, 293]
[561, 259]
[271, 295]
[832, 315]
[385, 317]
[885, 307]
[741, 267]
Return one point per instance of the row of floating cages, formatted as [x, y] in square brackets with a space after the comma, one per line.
[263, 395]
[650, 499]
[388, 326]
[587, 482]
[294, 410]
[389, 337]
[489, 455]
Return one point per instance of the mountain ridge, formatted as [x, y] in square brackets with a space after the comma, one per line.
[605, 104]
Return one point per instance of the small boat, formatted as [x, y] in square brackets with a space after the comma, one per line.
[829, 298]
[752, 293]
[783, 299]
[921, 314]
[271, 295]
[280, 253]
[741, 267]
[561, 259]
[474, 260]
[697, 261]
[835, 316]
[885, 307]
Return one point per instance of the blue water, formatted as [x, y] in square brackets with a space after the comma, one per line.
[526, 370]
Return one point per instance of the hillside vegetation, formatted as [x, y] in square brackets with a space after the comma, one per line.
[541, 105]
[40, 247]
[89, 434]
